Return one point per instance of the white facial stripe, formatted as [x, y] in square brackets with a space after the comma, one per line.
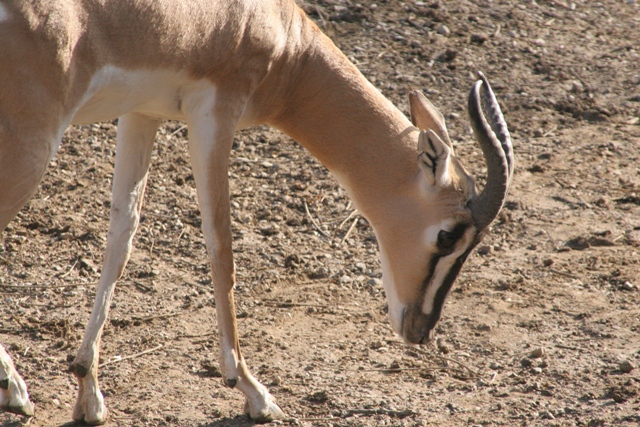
[4, 13]
[442, 269]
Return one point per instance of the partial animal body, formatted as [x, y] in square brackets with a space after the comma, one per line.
[221, 66]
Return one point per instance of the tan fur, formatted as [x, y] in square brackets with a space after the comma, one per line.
[223, 65]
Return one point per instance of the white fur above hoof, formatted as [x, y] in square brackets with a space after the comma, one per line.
[26, 409]
[264, 412]
[90, 410]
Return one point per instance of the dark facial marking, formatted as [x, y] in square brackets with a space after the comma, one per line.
[454, 235]
[444, 289]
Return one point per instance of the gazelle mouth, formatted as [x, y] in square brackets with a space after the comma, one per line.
[416, 327]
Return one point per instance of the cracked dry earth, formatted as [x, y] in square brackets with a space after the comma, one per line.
[542, 327]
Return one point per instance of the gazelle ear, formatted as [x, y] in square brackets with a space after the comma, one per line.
[435, 158]
[424, 116]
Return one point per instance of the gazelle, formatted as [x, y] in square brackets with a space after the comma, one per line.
[220, 66]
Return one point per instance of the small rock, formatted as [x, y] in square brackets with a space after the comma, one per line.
[320, 273]
[375, 282]
[276, 380]
[577, 87]
[269, 230]
[443, 30]
[536, 371]
[547, 415]
[526, 363]
[626, 366]
[479, 38]
[537, 353]
[318, 397]
[495, 366]
[483, 327]
[484, 250]
[212, 369]
[442, 346]
[376, 345]
[627, 286]
[346, 279]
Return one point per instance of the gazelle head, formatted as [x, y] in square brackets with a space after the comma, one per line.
[450, 215]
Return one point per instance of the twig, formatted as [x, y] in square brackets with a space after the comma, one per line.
[464, 365]
[294, 304]
[313, 221]
[208, 334]
[133, 356]
[393, 370]
[70, 270]
[177, 130]
[448, 359]
[562, 273]
[2, 285]
[550, 131]
[346, 236]
[398, 414]
[367, 412]
[157, 316]
[355, 211]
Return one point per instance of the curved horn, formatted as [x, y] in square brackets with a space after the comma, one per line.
[495, 141]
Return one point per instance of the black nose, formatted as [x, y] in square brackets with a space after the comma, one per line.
[417, 327]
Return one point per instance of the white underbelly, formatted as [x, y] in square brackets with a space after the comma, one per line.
[115, 91]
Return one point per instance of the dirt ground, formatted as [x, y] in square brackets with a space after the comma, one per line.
[542, 327]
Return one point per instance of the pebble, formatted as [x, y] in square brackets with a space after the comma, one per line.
[627, 286]
[537, 353]
[577, 86]
[443, 30]
[483, 327]
[484, 250]
[547, 415]
[626, 366]
[346, 279]
[479, 38]
[496, 366]
[375, 282]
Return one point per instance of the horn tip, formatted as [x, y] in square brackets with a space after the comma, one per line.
[484, 80]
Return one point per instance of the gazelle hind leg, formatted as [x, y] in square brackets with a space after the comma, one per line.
[23, 161]
[210, 140]
[13, 390]
[136, 134]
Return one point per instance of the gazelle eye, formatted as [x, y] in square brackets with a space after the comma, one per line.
[446, 240]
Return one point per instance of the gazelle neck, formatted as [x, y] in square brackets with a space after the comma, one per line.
[347, 124]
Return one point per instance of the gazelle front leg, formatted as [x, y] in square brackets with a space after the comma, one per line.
[210, 140]
[13, 390]
[136, 134]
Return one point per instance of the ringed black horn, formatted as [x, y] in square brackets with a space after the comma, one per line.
[495, 142]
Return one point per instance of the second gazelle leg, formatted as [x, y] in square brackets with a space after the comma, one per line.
[136, 134]
[210, 145]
